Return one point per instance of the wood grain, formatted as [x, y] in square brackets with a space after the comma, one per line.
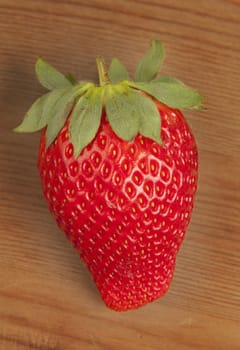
[47, 299]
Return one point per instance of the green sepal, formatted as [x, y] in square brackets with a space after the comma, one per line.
[85, 119]
[34, 119]
[174, 94]
[167, 79]
[151, 62]
[122, 113]
[58, 107]
[130, 113]
[71, 79]
[150, 120]
[49, 77]
[117, 71]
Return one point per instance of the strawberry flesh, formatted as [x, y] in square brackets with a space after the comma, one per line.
[125, 206]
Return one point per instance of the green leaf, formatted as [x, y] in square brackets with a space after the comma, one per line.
[49, 77]
[175, 95]
[71, 79]
[166, 79]
[85, 120]
[150, 120]
[130, 113]
[122, 114]
[117, 71]
[58, 107]
[52, 101]
[34, 119]
[151, 62]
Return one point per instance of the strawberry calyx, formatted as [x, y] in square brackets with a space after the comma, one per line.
[129, 105]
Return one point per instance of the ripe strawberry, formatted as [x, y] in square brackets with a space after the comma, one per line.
[119, 172]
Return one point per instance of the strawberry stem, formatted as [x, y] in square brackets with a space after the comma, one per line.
[102, 71]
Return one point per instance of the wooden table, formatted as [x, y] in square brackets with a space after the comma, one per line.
[47, 299]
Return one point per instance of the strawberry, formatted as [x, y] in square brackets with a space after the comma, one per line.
[119, 170]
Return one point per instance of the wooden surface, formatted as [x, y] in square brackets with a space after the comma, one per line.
[47, 299]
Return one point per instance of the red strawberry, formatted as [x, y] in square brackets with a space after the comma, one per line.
[120, 183]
